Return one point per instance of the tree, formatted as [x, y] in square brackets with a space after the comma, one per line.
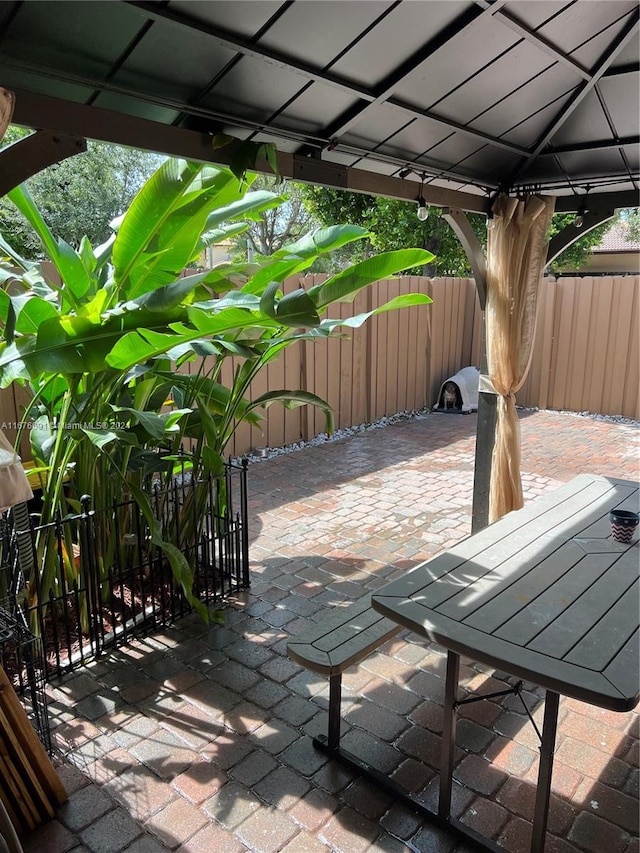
[632, 218]
[269, 232]
[394, 224]
[79, 196]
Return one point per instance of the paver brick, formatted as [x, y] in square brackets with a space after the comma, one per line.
[485, 817]
[140, 791]
[231, 805]
[200, 781]
[176, 823]
[348, 832]
[594, 835]
[267, 831]
[253, 768]
[480, 775]
[84, 807]
[401, 821]
[212, 837]
[610, 804]
[314, 809]
[51, 836]
[111, 833]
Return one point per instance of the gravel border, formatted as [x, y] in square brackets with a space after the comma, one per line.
[263, 454]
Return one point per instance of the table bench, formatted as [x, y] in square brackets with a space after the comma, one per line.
[342, 639]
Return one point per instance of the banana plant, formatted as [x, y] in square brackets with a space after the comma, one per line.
[97, 345]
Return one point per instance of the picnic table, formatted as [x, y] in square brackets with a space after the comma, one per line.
[546, 595]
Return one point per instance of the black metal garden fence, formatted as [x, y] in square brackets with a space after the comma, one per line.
[105, 582]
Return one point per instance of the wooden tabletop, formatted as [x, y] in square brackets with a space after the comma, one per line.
[544, 594]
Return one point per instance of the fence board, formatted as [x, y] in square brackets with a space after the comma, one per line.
[599, 321]
[631, 405]
[576, 374]
[623, 307]
[360, 357]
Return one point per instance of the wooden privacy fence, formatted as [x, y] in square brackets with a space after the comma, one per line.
[586, 356]
[587, 351]
[395, 362]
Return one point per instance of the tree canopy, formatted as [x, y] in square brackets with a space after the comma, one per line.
[79, 196]
[270, 231]
[393, 224]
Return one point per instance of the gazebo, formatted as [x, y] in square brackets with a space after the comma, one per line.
[509, 109]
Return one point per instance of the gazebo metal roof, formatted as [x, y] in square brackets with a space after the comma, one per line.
[477, 97]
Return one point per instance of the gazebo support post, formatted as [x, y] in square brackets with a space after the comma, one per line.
[30, 155]
[487, 402]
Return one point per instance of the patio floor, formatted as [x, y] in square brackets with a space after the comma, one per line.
[199, 739]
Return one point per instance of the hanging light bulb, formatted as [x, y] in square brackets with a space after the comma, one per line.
[578, 222]
[423, 213]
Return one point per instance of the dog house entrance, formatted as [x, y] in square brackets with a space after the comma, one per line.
[459, 393]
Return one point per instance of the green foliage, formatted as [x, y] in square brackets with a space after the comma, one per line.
[99, 345]
[632, 219]
[577, 254]
[274, 228]
[79, 196]
[394, 225]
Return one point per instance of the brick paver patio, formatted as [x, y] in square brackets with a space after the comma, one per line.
[199, 739]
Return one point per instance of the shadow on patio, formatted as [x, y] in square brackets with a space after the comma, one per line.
[199, 739]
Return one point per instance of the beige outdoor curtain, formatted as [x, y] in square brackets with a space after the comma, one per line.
[7, 103]
[516, 255]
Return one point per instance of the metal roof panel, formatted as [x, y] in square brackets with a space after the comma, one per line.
[404, 31]
[253, 89]
[330, 26]
[481, 90]
[457, 62]
[246, 18]
[620, 94]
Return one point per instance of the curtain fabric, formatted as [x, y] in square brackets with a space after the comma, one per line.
[7, 102]
[14, 485]
[516, 254]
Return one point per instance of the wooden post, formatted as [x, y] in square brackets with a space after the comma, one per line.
[487, 402]
[29, 786]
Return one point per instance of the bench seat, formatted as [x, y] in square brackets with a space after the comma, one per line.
[342, 639]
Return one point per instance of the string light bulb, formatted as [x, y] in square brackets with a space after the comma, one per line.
[423, 213]
[578, 222]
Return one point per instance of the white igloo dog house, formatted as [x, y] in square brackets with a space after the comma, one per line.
[459, 393]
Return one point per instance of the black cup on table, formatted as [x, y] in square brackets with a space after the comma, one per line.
[623, 524]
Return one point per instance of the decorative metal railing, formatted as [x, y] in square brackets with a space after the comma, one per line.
[93, 580]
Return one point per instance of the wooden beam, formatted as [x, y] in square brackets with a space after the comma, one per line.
[64, 117]
[30, 155]
[570, 234]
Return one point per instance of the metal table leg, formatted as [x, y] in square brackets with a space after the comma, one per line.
[545, 769]
[448, 735]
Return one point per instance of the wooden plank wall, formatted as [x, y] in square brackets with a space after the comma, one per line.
[586, 356]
